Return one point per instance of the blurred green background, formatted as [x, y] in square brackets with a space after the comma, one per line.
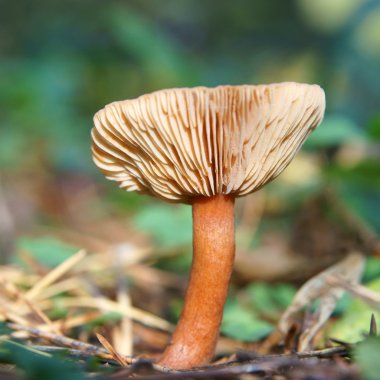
[62, 61]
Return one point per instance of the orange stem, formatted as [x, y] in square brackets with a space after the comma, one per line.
[194, 340]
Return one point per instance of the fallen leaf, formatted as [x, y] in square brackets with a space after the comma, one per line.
[319, 288]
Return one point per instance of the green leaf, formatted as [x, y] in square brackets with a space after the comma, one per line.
[179, 264]
[334, 130]
[125, 200]
[47, 250]
[163, 59]
[239, 322]
[372, 269]
[343, 303]
[361, 196]
[365, 173]
[354, 324]
[4, 329]
[374, 128]
[170, 225]
[367, 357]
[270, 299]
[38, 365]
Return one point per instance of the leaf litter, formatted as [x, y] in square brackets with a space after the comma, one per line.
[82, 310]
[319, 288]
[26, 307]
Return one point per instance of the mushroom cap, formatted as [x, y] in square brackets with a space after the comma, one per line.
[181, 143]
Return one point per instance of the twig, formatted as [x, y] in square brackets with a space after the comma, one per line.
[78, 346]
[116, 356]
[78, 354]
[201, 373]
[254, 364]
[60, 340]
[122, 335]
[368, 296]
[324, 353]
[12, 292]
[267, 365]
[54, 274]
[103, 303]
[69, 284]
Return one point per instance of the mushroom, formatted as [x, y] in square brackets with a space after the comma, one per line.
[204, 147]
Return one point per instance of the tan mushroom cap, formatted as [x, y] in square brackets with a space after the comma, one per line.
[188, 142]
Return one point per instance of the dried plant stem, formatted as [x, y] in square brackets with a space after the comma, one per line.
[55, 274]
[194, 340]
[61, 340]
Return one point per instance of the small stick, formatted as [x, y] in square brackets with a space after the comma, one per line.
[116, 356]
[103, 303]
[69, 284]
[55, 273]
[267, 364]
[122, 334]
[61, 340]
[367, 295]
[72, 352]
[13, 292]
[76, 346]
[6, 315]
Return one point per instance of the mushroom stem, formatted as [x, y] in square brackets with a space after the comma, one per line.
[194, 340]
